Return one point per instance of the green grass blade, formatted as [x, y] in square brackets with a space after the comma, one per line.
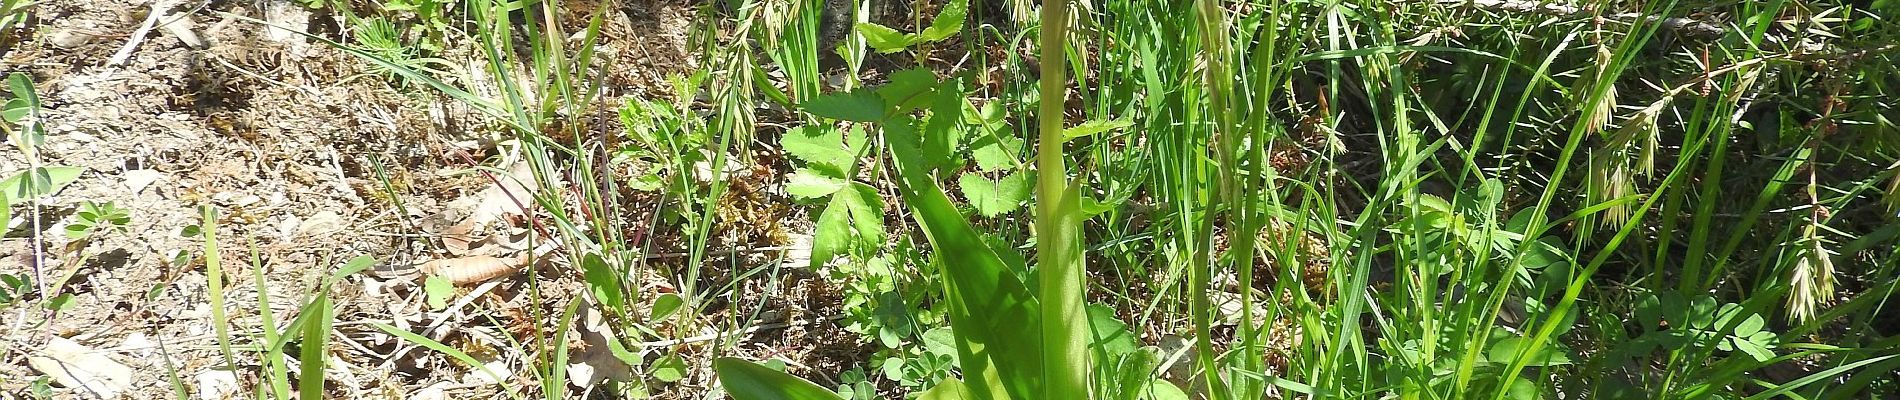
[745, 380]
[316, 335]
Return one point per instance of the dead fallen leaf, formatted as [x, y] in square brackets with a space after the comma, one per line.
[322, 223]
[76, 365]
[514, 191]
[473, 269]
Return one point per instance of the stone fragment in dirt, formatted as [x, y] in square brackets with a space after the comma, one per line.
[288, 227]
[137, 180]
[321, 223]
[217, 384]
[181, 26]
[79, 366]
[798, 251]
[497, 366]
[138, 340]
[734, 169]
[286, 19]
[235, 199]
[68, 38]
[437, 391]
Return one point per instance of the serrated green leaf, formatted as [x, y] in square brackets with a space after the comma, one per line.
[808, 184]
[944, 132]
[858, 105]
[820, 147]
[1094, 127]
[437, 290]
[909, 89]
[996, 152]
[853, 219]
[998, 197]
[45, 181]
[947, 23]
[883, 38]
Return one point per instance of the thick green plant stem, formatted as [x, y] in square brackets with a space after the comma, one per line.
[1065, 355]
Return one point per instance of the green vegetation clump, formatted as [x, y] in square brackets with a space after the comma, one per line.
[1134, 199]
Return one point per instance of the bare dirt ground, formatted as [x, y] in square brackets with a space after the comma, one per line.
[310, 159]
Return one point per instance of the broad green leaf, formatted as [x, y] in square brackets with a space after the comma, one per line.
[808, 184]
[15, 110]
[1094, 127]
[853, 219]
[44, 181]
[1504, 350]
[909, 89]
[1110, 335]
[1092, 207]
[947, 23]
[998, 197]
[437, 290]
[821, 147]
[1522, 389]
[27, 98]
[948, 389]
[883, 38]
[1702, 312]
[996, 152]
[664, 307]
[671, 369]
[991, 311]
[1755, 350]
[857, 105]
[1546, 252]
[745, 380]
[1164, 390]
[603, 282]
[941, 342]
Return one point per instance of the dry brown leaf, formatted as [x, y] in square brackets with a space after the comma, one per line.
[460, 238]
[473, 269]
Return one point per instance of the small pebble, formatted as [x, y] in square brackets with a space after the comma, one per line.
[67, 39]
